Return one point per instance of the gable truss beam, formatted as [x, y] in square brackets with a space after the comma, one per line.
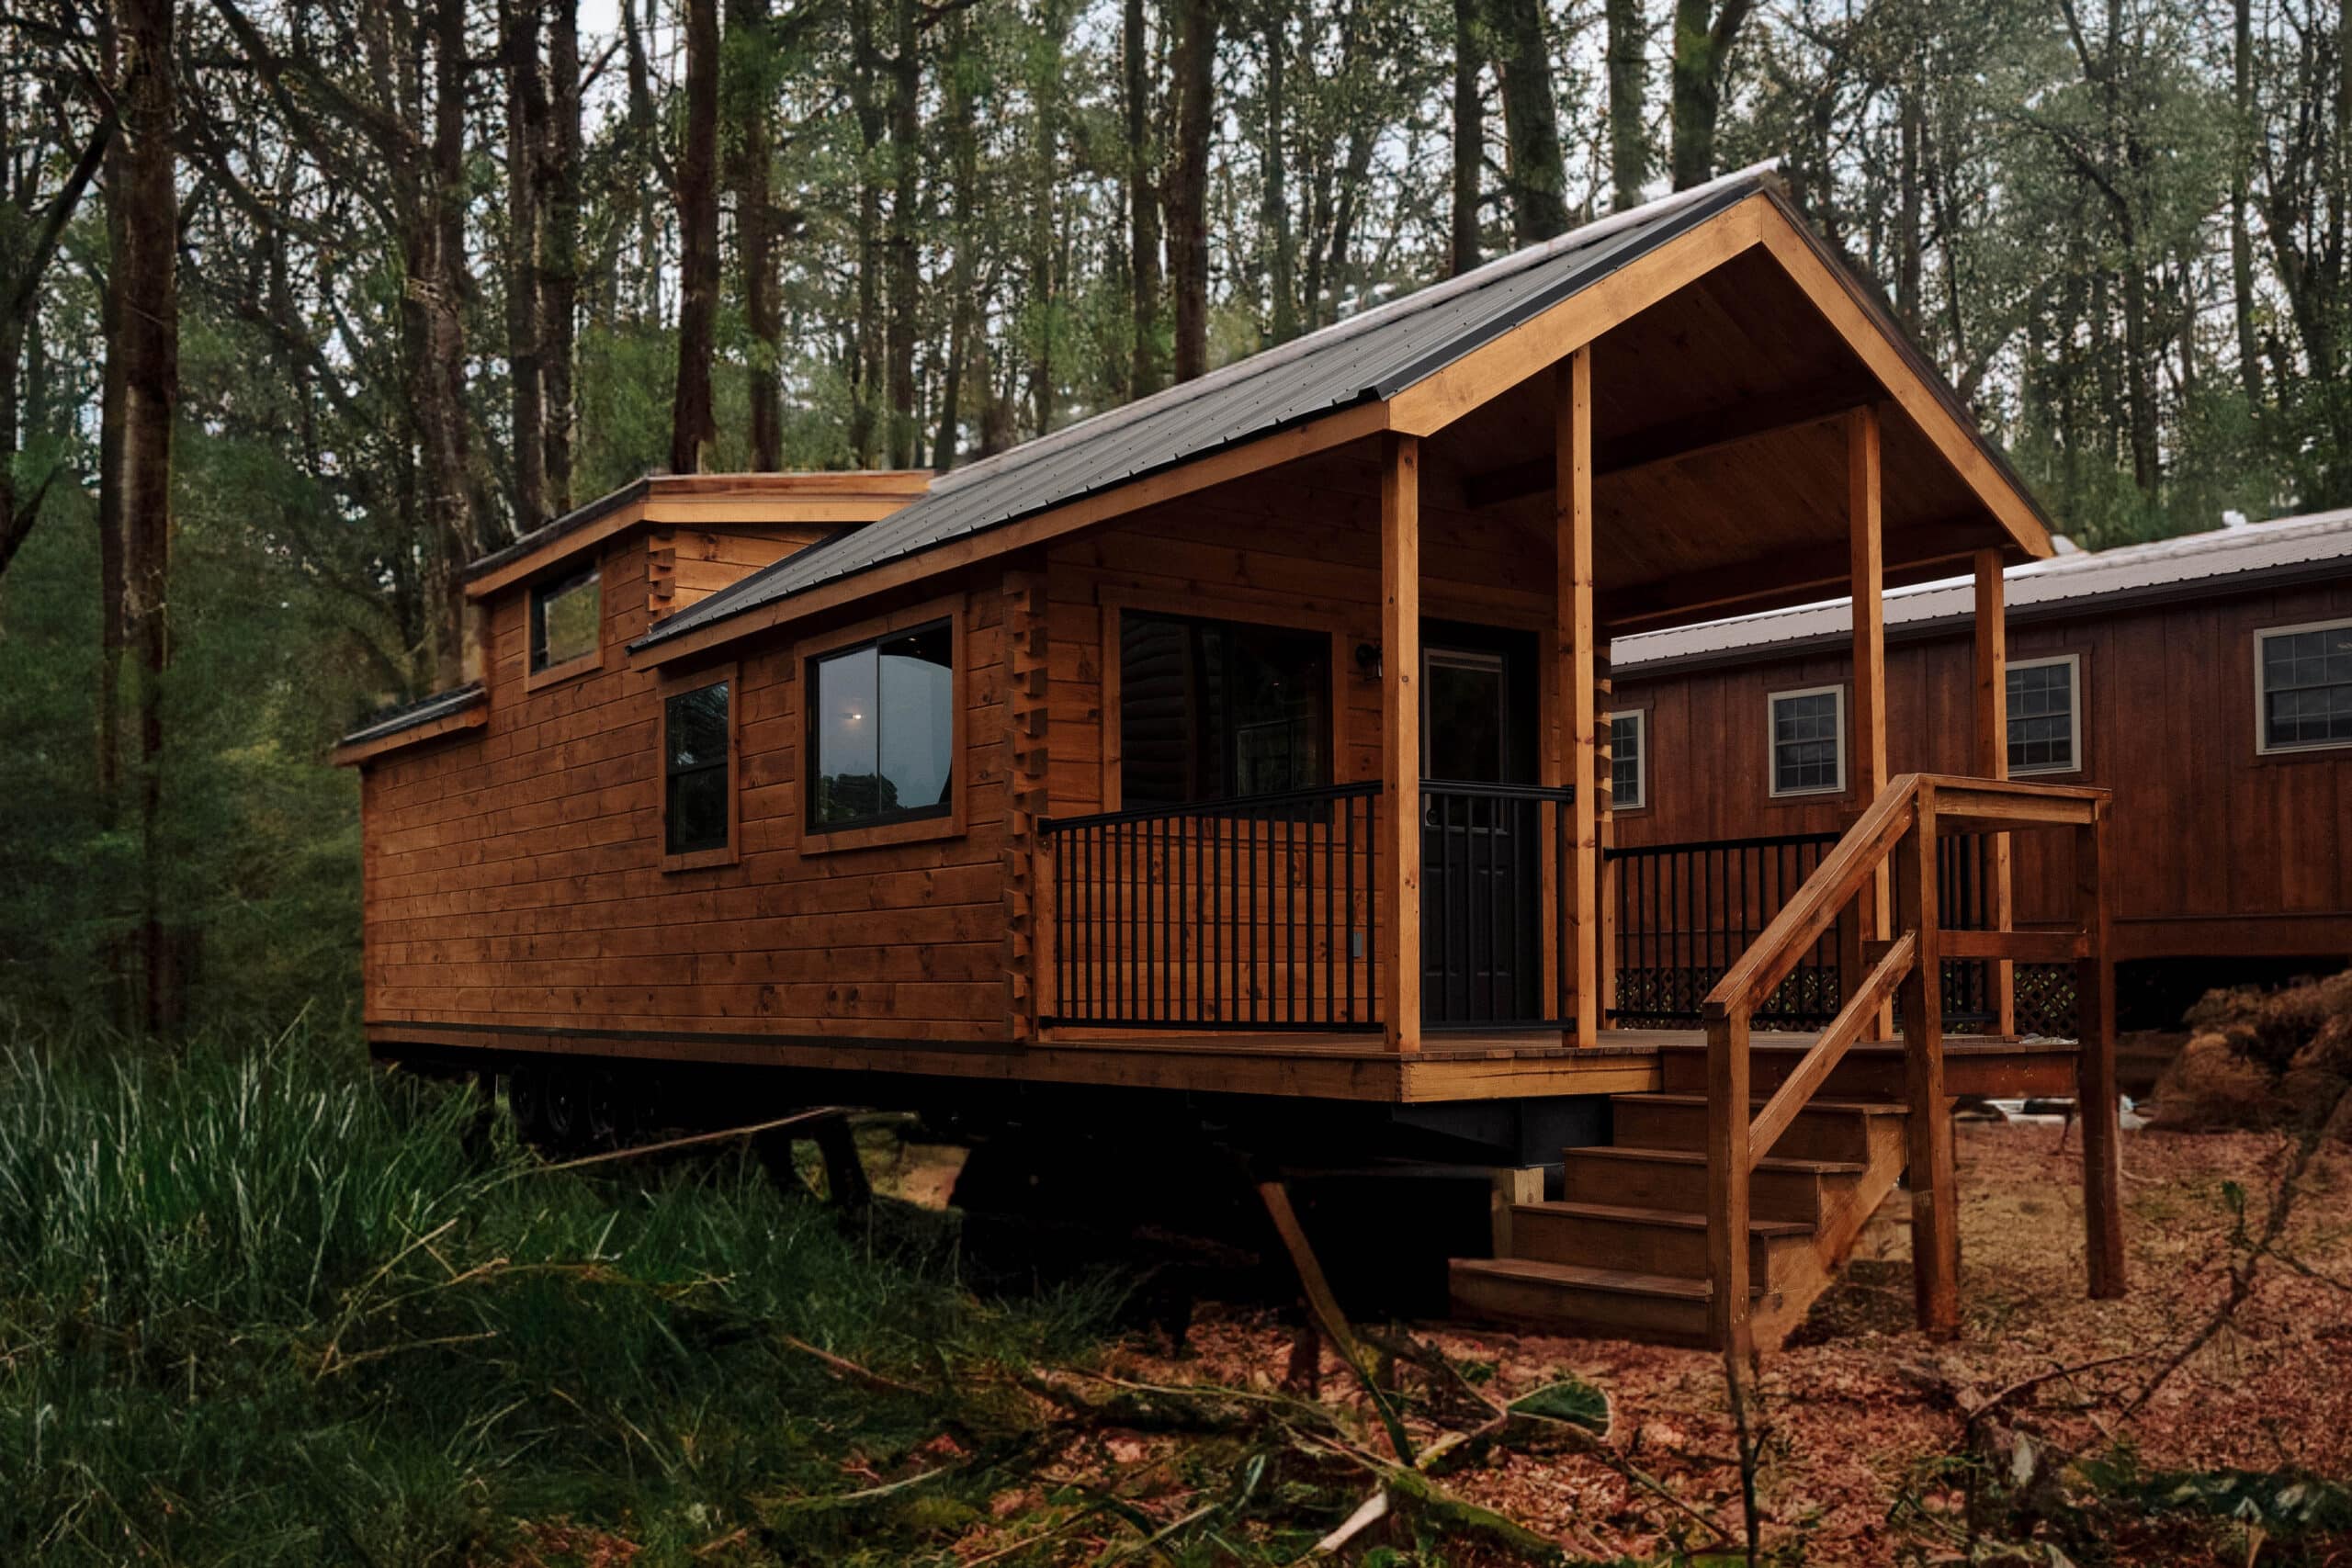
[1678, 440]
[1819, 572]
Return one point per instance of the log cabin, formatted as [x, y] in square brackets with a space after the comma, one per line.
[2206, 681]
[1234, 758]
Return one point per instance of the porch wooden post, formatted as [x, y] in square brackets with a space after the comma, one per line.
[1865, 551]
[1993, 763]
[2095, 1090]
[1935, 1188]
[1605, 797]
[1400, 738]
[1572, 509]
[1028, 861]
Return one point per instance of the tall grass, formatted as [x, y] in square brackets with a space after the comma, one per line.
[261, 1305]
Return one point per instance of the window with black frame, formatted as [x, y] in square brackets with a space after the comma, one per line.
[695, 734]
[1220, 710]
[565, 616]
[882, 729]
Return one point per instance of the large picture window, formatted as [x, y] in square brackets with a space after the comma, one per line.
[566, 620]
[1217, 710]
[2045, 717]
[696, 801]
[2302, 678]
[1809, 741]
[882, 729]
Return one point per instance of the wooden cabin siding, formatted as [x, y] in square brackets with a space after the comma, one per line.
[686, 566]
[2217, 851]
[514, 875]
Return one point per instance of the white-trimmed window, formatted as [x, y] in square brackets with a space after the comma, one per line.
[2045, 716]
[1629, 759]
[1808, 741]
[2303, 686]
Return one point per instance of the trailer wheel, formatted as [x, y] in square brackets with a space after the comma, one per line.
[610, 1113]
[566, 1098]
[527, 1099]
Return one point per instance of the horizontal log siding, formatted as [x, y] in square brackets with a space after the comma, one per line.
[514, 875]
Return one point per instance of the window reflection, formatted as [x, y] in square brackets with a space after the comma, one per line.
[883, 722]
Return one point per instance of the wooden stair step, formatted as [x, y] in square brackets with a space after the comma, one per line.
[1641, 1240]
[1699, 1158]
[1676, 1219]
[1821, 1102]
[1568, 1298]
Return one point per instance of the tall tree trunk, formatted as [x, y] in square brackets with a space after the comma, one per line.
[1629, 143]
[694, 426]
[906, 160]
[2242, 145]
[147, 338]
[439, 284]
[1703, 36]
[752, 159]
[1273, 178]
[1536, 172]
[866, 331]
[1143, 205]
[1188, 185]
[1910, 236]
[963, 161]
[560, 248]
[1469, 136]
[22, 268]
[526, 117]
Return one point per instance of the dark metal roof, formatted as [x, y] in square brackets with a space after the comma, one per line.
[2078, 583]
[424, 710]
[548, 532]
[1367, 357]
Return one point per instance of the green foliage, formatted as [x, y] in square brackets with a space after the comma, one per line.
[261, 1305]
[1570, 1399]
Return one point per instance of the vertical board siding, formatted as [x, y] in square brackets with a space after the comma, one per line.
[2217, 852]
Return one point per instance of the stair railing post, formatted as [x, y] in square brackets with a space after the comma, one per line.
[1727, 1172]
[1934, 1197]
[2095, 1092]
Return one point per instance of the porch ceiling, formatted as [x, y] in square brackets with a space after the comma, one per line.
[1720, 481]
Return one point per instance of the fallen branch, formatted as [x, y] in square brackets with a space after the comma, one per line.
[846, 1368]
[692, 1140]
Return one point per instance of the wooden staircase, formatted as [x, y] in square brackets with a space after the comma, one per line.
[1725, 1203]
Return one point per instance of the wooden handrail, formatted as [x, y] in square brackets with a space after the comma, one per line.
[1909, 813]
[1813, 910]
[1799, 1088]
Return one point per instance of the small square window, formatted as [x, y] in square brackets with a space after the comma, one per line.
[2303, 678]
[566, 620]
[695, 748]
[1629, 759]
[2045, 717]
[1809, 741]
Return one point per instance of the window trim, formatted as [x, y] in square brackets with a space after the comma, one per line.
[1641, 717]
[536, 675]
[2262, 747]
[930, 823]
[669, 684]
[1113, 603]
[1772, 750]
[2074, 662]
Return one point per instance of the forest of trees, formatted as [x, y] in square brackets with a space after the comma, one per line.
[310, 302]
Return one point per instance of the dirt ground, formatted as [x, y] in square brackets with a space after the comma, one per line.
[1861, 1412]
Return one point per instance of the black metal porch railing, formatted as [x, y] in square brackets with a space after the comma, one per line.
[1258, 912]
[1491, 855]
[1684, 912]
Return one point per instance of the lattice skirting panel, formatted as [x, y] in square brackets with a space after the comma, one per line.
[1669, 997]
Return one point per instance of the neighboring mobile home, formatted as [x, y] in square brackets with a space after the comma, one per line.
[2206, 681]
[1234, 756]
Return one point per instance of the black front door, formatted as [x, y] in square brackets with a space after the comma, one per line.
[1481, 878]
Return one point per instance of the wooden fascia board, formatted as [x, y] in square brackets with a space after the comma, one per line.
[525, 567]
[1960, 443]
[1335, 429]
[353, 752]
[1549, 336]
